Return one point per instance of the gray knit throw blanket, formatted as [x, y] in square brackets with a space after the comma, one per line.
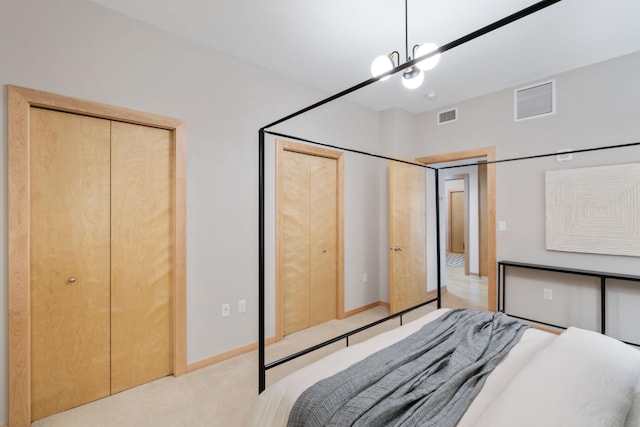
[426, 379]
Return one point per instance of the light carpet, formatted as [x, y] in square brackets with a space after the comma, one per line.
[218, 395]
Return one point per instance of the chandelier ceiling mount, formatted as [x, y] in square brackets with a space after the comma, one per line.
[412, 76]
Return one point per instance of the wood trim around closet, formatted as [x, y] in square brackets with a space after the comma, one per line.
[20, 101]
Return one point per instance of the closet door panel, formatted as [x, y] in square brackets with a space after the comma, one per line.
[294, 212]
[142, 254]
[69, 260]
[323, 230]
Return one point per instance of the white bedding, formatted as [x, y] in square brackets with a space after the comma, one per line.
[581, 379]
[534, 356]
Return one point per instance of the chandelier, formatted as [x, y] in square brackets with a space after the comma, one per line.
[413, 76]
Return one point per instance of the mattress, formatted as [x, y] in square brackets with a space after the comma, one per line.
[564, 379]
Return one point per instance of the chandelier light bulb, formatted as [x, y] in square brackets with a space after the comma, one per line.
[381, 65]
[428, 63]
[412, 78]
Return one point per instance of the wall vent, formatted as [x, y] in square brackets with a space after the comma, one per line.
[447, 116]
[535, 101]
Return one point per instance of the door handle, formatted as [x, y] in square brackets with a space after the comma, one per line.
[72, 279]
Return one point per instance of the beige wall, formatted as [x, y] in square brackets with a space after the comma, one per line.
[76, 48]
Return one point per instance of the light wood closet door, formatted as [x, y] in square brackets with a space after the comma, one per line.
[323, 242]
[309, 239]
[102, 258]
[142, 248]
[408, 270]
[295, 211]
[70, 287]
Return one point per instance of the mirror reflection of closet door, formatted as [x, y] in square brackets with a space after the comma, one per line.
[308, 246]
[407, 252]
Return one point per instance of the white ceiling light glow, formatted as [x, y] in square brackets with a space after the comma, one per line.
[431, 62]
[382, 64]
[412, 77]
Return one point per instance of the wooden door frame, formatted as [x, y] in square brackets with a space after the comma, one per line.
[482, 227]
[465, 178]
[490, 154]
[296, 147]
[20, 102]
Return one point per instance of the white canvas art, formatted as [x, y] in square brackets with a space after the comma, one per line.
[594, 210]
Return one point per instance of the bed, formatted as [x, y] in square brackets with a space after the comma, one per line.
[577, 378]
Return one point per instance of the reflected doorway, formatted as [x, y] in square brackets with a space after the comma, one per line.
[455, 204]
[483, 216]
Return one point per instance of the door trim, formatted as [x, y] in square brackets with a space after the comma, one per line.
[20, 101]
[296, 147]
[490, 154]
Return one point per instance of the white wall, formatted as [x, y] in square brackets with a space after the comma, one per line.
[76, 48]
[596, 106]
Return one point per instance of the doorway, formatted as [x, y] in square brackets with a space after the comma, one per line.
[487, 216]
[456, 223]
[456, 194]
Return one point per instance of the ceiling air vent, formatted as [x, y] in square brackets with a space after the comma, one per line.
[447, 116]
[535, 101]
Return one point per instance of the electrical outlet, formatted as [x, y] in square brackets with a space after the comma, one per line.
[548, 294]
[502, 225]
[226, 310]
[365, 278]
[242, 306]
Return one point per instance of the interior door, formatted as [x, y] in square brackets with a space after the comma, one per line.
[408, 271]
[483, 215]
[308, 254]
[456, 221]
[102, 266]
[142, 254]
[70, 307]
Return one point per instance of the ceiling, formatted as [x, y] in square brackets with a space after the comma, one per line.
[329, 44]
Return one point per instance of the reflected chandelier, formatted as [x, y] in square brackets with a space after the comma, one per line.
[413, 76]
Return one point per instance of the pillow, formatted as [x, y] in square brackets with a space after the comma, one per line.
[633, 417]
[581, 379]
